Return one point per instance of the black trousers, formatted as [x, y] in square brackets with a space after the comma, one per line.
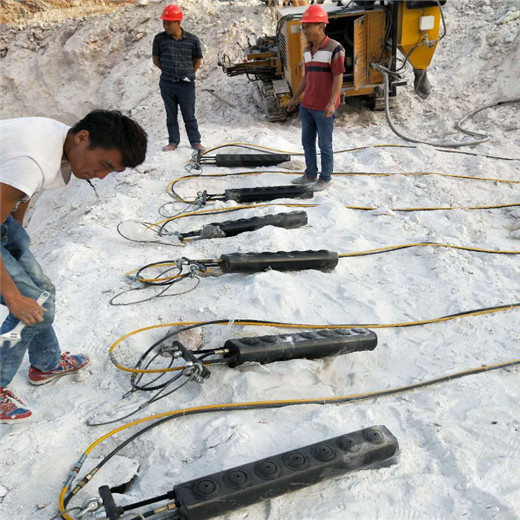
[175, 95]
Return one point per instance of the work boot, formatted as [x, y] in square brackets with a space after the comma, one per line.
[12, 408]
[304, 179]
[170, 148]
[198, 147]
[321, 185]
[68, 365]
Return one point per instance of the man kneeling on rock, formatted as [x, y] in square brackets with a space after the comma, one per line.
[38, 154]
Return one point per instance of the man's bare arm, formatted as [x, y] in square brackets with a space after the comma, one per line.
[156, 62]
[19, 214]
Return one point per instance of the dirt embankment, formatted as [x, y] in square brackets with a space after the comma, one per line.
[20, 12]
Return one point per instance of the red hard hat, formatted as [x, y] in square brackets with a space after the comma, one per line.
[172, 13]
[315, 14]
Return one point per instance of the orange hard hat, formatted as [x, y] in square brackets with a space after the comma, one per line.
[315, 14]
[172, 13]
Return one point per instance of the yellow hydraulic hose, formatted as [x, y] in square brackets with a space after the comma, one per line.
[230, 209]
[255, 405]
[288, 326]
[356, 149]
[322, 400]
[427, 244]
[344, 174]
[385, 249]
[209, 211]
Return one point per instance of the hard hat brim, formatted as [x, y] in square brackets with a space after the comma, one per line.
[302, 22]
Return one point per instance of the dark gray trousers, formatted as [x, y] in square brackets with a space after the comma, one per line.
[181, 95]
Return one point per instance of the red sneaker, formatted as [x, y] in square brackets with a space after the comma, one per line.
[10, 410]
[68, 365]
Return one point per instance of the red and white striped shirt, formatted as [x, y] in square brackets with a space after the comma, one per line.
[321, 65]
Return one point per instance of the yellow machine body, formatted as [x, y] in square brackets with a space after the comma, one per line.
[370, 34]
[366, 30]
[416, 43]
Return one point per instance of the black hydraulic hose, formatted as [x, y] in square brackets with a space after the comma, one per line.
[136, 378]
[360, 148]
[459, 123]
[158, 264]
[147, 502]
[443, 21]
[280, 404]
[482, 138]
[160, 294]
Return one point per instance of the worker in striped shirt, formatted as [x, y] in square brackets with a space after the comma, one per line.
[321, 88]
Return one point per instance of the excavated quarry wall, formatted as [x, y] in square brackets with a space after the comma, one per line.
[62, 66]
[63, 62]
[25, 11]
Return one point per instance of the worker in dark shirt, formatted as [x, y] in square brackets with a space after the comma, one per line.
[178, 54]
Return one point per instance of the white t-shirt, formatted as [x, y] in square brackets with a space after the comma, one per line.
[31, 153]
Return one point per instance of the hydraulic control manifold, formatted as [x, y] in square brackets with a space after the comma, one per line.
[310, 345]
[241, 486]
[231, 228]
[263, 194]
[280, 261]
[230, 489]
[250, 159]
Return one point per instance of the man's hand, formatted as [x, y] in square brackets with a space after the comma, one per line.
[329, 110]
[292, 103]
[25, 309]
[296, 95]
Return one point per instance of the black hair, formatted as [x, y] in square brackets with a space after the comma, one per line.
[109, 129]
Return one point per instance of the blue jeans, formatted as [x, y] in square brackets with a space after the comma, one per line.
[39, 339]
[181, 95]
[314, 122]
